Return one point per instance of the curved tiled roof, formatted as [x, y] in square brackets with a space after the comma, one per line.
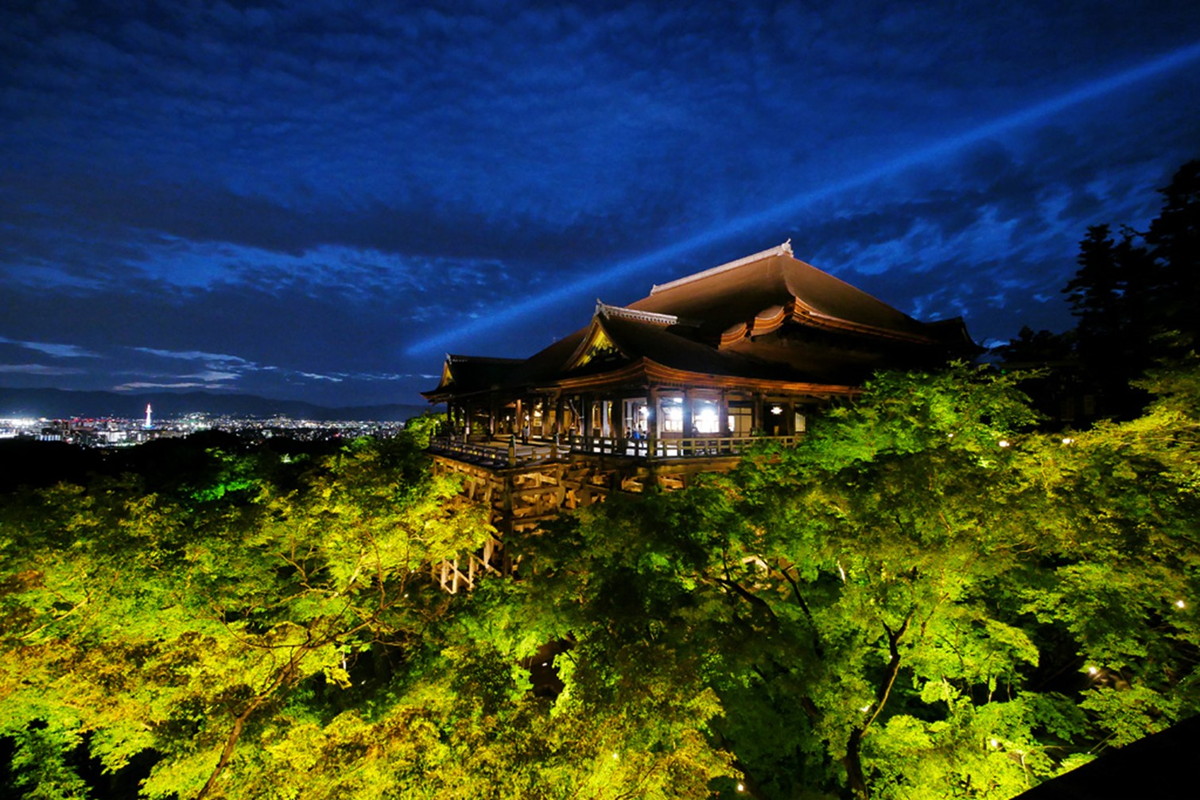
[719, 322]
[736, 293]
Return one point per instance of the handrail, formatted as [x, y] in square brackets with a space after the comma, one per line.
[515, 453]
[690, 447]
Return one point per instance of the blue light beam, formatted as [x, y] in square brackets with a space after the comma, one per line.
[924, 155]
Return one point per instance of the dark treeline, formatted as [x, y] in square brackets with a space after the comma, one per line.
[936, 594]
[1135, 298]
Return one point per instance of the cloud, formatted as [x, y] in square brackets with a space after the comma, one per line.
[138, 385]
[193, 355]
[53, 349]
[39, 369]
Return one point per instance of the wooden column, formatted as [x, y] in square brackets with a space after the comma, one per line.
[723, 415]
[652, 431]
[686, 429]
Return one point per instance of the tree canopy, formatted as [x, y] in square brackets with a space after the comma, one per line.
[1134, 297]
[924, 599]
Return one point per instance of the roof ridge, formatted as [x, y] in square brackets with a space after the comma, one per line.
[607, 310]
[784, 249]
[456, 358]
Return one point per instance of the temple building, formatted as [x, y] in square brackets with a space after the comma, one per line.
[674, 384]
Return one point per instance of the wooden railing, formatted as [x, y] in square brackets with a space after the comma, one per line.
[514, 452]
[690, 447]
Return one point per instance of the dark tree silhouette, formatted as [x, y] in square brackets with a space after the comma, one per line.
[1135, 297]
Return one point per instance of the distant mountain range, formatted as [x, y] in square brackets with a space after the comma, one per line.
[60, 403]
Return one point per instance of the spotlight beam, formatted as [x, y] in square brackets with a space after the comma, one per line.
[923, 155]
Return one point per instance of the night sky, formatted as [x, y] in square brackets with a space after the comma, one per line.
[319, 200]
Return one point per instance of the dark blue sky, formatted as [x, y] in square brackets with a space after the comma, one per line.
[318, 200]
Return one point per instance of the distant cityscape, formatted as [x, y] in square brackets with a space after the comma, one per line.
[124, 432]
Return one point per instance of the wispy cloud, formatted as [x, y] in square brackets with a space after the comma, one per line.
[193, 355]
[54, 349]
[137, 385]
[39, 369]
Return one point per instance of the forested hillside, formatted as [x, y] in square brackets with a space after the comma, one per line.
[923, 599]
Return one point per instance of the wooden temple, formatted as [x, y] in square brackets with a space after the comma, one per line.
[672, 385]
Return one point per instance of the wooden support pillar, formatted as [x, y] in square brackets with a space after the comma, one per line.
[652, 432]
[518, 427]
[723, 415]
[585, 414]
[687, 430]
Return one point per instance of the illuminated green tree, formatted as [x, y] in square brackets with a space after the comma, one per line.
[281, 637]
[195, 626]
[921, 600]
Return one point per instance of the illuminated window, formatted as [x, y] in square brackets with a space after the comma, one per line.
[706, 419]
[672, 415]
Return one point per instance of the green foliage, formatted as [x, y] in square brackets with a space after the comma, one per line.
[924, 599]
[188, 626]
[911, 602]
[423, 427]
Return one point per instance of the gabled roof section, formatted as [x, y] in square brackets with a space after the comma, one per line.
[746, 298]
[464, 374]
[784, 249]
[768, 316]
[596, 346]
[666, 347]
